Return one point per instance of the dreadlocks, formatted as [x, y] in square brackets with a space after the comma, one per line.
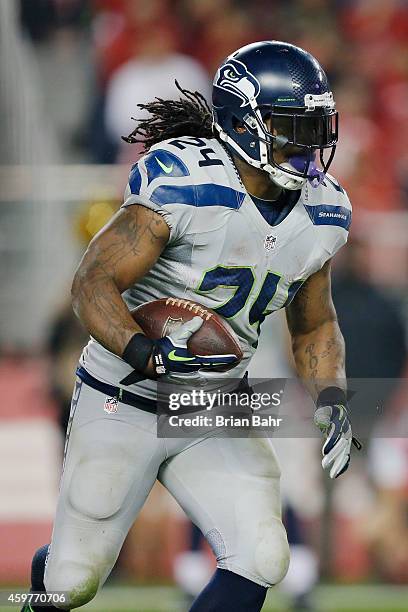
[188, 116]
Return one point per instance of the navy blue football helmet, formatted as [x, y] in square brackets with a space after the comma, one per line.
[271, 98]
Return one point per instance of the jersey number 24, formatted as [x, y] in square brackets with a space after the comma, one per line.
[242, 280]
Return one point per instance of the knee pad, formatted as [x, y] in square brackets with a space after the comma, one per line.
[78, 581]
[262, 553]
[99, 485]
[271, 560]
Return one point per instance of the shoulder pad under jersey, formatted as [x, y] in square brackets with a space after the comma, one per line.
[178, 177]
[329, 209]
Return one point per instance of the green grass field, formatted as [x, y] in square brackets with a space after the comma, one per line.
[327, 598]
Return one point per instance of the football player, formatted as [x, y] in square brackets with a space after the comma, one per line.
[234, 209]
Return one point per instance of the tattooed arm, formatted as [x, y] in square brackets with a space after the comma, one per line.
[119, 255]
[318, 348]
[317, 342]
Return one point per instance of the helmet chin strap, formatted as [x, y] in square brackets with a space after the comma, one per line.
[278, 176]
[284, 179]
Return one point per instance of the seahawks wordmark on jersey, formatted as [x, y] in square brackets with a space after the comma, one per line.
[222, 253]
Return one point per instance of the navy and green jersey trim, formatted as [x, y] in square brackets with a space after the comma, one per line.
[207, 194]
[326, 214]
[162, 163]
[135, 180]
[158, 164]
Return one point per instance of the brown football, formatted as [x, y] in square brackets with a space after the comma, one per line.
[215, 337]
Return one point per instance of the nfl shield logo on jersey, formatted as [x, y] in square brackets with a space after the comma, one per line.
[111, 405]
[269, 242]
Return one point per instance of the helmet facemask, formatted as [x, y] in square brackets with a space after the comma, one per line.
[295, 134]
[296, 131]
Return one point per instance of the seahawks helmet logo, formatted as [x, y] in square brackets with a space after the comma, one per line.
[235, 78]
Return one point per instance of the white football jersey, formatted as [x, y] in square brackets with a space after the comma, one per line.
[222, 252]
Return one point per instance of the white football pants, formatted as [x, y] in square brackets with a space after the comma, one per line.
[229, 487]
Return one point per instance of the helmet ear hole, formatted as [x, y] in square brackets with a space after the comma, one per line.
[238, 126]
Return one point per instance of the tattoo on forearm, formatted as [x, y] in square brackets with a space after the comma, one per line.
[313, 359]
[318, 345]
[322, 357]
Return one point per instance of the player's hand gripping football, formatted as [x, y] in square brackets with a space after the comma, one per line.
[170, 354]
[333, 421]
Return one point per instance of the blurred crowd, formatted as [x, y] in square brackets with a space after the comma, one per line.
[137, 48]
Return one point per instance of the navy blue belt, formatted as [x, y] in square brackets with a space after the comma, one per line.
[121, 394]
[137, 400]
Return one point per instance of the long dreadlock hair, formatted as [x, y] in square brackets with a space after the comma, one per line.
[188, 116]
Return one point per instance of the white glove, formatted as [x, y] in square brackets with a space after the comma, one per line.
[333, 421]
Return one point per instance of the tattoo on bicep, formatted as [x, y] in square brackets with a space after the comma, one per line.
[95, 287]
[310, 308]
[131, 227]
[129, 236]
[298, 312]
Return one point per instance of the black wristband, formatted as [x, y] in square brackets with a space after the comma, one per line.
[138, 351]
[331, 396]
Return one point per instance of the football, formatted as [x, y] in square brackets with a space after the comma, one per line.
[215, 337]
